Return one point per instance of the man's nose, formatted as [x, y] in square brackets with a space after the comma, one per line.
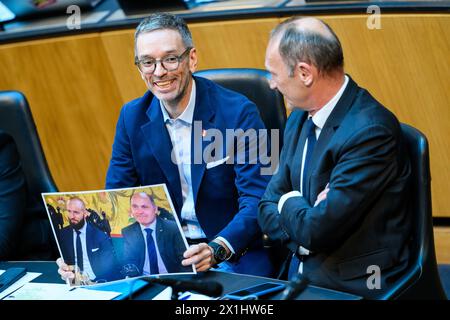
[159, 69]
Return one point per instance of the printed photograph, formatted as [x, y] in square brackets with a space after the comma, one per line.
[109, 235]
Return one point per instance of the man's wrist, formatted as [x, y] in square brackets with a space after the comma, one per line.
[220, 251]
[285, 197]
[223, 244]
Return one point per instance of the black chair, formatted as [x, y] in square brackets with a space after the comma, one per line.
[253, 83]
[422, 278]
[36, 239]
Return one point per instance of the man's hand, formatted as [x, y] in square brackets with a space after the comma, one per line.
[199, 254]
[322, 195]
[202, 256]
[65, 271]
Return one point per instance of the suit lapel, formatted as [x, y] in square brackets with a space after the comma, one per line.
[160, 243]
[331, 125]
[158, 140]
[140, 249]
[203, 113]
[298, 153]
[70, 255]
[89, 240]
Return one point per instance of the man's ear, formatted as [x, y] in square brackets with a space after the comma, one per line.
[142, 74]
[305, 72]
[193, 60]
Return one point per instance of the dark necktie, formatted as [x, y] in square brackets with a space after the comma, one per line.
[310, 129]
[293, 267]
[311, 142]
[79, 251]
[151, 249]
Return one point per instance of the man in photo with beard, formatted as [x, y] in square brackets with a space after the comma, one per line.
[86, 246]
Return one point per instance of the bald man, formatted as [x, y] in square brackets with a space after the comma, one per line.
[86, 246]
[339, 201]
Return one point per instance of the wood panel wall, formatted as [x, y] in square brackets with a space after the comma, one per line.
[76, 85]
[442, 244]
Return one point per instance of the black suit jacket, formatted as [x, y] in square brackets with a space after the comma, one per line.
[100, 251]
[12, 196]
[365, 219]
[25, 232]
[168, 239]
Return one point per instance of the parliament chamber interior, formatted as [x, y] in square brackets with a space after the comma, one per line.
[74, 68]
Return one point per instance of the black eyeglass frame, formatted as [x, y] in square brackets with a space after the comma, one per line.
[146, 70]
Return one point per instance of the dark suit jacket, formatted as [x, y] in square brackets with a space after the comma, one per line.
[100, 251]
[365, 219]
[226, 196]
[12, 196]
[168, 239]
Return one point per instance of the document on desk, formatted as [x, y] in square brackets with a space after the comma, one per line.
[166, 294]
[54, 291]
[28, 277]
[104, 235]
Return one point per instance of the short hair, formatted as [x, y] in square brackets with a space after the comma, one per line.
[324, 52]
[159, 21]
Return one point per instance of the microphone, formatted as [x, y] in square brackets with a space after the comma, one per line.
[294, 287]
[130, 271]
[209, 288]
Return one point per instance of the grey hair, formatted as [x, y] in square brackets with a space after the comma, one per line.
[324, 52]
[159, 21]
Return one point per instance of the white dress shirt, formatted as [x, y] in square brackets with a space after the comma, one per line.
[319, 119]
[161, 266]
[180, 130]
[87, 268]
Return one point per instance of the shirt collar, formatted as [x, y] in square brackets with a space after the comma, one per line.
[151, 226]
[83, 229]
[322, 115]
[188, 114]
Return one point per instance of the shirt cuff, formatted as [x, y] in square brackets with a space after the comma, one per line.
[303, 251]
[227, 243]
[286, 196]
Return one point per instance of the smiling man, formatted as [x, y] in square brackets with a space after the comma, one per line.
[155, 142]
[152, 244]
[339, 200]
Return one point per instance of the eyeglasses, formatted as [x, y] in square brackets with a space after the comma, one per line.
[170, 62]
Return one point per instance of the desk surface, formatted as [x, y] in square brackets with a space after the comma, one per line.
[229, 281]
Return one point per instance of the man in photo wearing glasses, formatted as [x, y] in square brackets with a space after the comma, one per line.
[216, 200]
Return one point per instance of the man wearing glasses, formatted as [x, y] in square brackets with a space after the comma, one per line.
[156, 142]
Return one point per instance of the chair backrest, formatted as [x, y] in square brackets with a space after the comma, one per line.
[422, 278]
[253, 83]
[16, 120]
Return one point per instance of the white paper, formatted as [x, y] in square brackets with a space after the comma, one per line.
[54, 291]
[114, 205]
[28, 277]
[167, 293]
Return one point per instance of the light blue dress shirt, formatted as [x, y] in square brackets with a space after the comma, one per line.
[180, 130]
